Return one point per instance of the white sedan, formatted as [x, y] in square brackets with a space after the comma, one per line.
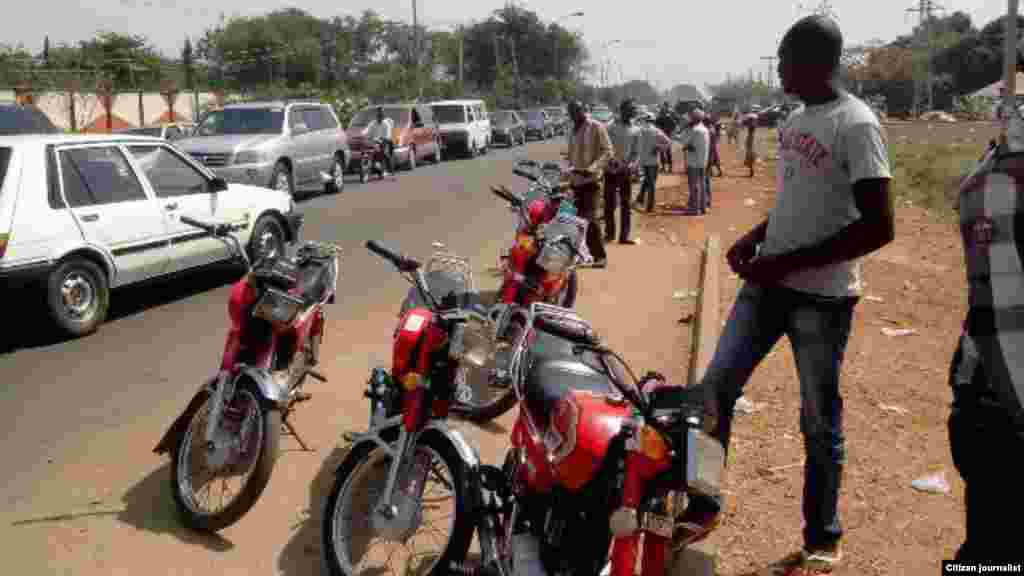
[96, 212]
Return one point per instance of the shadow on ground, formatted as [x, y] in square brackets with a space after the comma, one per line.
[302, 555]
[148, 506]
[36, 329]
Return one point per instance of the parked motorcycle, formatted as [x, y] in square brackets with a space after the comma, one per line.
[373, 162]
[595, 460]
[540, 267]
[380, 491]
[231, 428]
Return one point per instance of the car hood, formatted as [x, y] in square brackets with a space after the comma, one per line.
[228, 143]
[260, 197]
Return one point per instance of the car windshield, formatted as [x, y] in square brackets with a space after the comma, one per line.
[450, 114]
[364, 117]
[242, 121]
[25, 120]
[503, 118]
[144, 131]
[5, 159]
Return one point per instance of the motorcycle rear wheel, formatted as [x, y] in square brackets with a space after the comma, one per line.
[340, 505]
[269, 431]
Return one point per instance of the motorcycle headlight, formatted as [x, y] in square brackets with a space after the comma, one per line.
[249, 157]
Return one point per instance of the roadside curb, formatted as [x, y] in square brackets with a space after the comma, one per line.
[706, 319]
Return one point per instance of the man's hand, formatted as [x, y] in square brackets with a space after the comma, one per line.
[766, 270]
[741, 253]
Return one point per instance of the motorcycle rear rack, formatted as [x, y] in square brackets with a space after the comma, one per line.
[453, 264]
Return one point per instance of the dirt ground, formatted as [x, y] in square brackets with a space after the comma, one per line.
[895, 392]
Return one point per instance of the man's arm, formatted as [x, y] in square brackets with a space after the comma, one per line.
[867, 157]
[604, 147]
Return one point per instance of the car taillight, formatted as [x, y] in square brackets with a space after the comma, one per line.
[3, 244]
[560, 438]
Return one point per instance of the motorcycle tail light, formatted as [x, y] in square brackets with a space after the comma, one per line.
[653, 444]
[560, 438]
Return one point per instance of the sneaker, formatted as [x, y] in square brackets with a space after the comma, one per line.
[807, 562]
[694, 526]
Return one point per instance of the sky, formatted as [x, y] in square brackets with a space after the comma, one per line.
[665, 43]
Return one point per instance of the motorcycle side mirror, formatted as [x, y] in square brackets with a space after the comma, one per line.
[218, 184]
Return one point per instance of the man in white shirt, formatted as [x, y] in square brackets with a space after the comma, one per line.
[652, 144]
[617, 183]
[696, 142]
[381, 129]
[803, 278]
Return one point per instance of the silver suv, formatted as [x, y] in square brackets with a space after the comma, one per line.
[281, 144]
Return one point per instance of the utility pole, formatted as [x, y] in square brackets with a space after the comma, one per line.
[416, 49]
[462, 47]
[924, 9]
[771, 67]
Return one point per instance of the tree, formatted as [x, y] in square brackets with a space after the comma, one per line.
[46, 51]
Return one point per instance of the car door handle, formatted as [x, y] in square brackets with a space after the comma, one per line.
[171, 207]
[90, 217]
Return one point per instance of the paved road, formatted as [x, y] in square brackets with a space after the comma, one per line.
[56, 396]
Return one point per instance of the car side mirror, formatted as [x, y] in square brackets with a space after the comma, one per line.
[299, 128]
[218, 184]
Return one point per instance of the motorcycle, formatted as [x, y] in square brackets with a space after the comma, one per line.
[378, 493]
[540, 267]
[595, 461]
[231, 428]
[372, 162]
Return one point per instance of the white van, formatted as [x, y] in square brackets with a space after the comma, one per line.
[465, 126]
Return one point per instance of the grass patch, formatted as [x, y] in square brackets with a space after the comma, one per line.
[929, 175]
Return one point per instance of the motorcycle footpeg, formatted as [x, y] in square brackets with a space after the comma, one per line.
[316, 375]
[302, 397]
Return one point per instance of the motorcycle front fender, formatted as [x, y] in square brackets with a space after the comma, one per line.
[467, 453]
[270, 391]
[180, 423]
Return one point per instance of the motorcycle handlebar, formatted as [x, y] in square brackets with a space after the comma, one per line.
[505, 195]
[524, 174]
[401, 262]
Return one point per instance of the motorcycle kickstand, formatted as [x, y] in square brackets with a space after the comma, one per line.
[291, 431]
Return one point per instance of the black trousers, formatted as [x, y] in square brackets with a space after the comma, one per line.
[586, 198]
[983, 441]
[617, 192]
[648, 187]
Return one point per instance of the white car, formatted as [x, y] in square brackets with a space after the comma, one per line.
[82, 214]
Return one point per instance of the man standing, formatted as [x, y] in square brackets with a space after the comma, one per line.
[696, 143]
[750, 124]
[617, 182]
[652, 143]
[803, 279]
[666, 122]
[589, 152]
[381, 129]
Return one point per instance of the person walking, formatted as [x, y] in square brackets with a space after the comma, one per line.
[696, 143]
[652, 142]
[986, 374]
[714, 124]
[589, 150]
[802, 278]
[750, 157]
[617, 179]
[734, 128]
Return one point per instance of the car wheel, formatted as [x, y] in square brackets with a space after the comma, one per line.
[412, 158]
[78, 296]
[337, 183]
[436, 158]
[267, 239]
[473, 150]
[282, 179]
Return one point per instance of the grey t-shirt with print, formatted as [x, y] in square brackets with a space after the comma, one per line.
[823, 151]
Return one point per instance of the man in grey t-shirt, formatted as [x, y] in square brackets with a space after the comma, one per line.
[803, 279]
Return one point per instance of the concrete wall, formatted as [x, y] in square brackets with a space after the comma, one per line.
[129, 109]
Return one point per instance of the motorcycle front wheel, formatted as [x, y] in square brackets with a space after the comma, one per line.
[353, 529]
[250, 460]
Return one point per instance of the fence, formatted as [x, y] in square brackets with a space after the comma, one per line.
[84, 111]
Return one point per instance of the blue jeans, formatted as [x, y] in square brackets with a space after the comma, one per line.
[818, 328]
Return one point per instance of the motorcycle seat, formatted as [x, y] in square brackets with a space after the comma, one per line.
[315, 279]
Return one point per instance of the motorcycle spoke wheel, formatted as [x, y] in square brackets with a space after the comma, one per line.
[198, 495]
[360, 549]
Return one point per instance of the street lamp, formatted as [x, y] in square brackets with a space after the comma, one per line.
[556, 68]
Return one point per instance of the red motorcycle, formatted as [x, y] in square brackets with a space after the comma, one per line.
[380, 495]
[595, 461]
[540, 267]
[231, 428]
